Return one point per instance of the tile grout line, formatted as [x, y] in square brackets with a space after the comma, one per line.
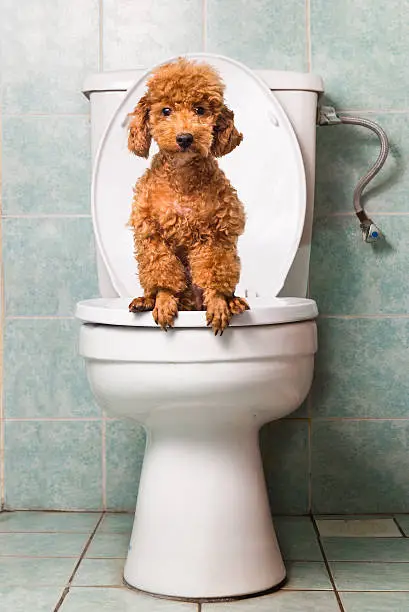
[53, 419]
[394, 563]
[48, 216]
[403, 534]
[113, 419]
[101, 35]
[39, 317]
[29, 115]
[383, 111]
[329, 215]
[204, 28]
[379, 316]
[377, 591]
[309, 412]
[362, 111]
[2, 320]
[364, 316]
[327, 565]
[104, 463]
[374, 213]
[58, 511]
[308, 33]
[84, 552]
[328, 418]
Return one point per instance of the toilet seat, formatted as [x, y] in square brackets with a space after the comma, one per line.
[273, 311]
[266, 169]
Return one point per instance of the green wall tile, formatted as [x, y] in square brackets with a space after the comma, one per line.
[53, 465]
[260, 33]
[361, 368]
[360, 466]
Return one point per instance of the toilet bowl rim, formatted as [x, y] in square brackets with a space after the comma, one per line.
[114, 312]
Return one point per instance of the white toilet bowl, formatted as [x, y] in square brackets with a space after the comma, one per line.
[202, 526]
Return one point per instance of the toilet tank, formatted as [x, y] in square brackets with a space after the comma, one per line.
[298, 95]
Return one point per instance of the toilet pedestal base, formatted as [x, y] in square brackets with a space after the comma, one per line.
[202, 526]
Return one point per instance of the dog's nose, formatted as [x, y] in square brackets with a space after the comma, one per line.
[184, 140]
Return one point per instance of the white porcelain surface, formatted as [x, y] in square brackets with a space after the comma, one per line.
[263, 311]
[277, 80]
[203, 525]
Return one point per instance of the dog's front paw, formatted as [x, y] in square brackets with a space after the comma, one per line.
[237, 305]
[217, 314]
[166, 310]
[142, 304]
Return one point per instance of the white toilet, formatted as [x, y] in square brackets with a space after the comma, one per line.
[202, 527]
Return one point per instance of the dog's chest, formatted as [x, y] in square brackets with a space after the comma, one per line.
[183, 220]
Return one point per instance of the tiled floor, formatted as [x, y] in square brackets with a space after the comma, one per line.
[73, 562]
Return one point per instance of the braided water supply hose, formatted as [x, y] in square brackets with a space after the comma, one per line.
[328, 116]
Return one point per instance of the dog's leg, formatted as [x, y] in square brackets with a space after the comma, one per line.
[216, 269]
[166, 309]
[162, 277]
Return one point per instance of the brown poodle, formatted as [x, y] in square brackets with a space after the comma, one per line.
[186, 215]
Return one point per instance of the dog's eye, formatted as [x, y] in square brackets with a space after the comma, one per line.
[199, 110]
[166, 111]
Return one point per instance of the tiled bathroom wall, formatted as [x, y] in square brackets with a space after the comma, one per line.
[347, 449]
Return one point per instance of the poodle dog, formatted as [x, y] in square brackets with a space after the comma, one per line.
[186, 216]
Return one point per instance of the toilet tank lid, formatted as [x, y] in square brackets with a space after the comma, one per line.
[121, 80]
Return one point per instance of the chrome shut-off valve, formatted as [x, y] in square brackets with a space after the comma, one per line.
[370, 231]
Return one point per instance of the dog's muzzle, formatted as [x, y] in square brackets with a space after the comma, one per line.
[184, 140]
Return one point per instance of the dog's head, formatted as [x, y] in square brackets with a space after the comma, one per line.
[183, 110]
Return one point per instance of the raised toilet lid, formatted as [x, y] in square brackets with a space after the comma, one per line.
[266, 169]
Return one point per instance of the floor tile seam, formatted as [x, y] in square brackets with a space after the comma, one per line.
[99, 586]
[104, 488]
[105, 557]
[368, 562]
[344, 418]
[77, 565]
[76, 511]
[287, 560]
[34, 532]
[395, 520]
[379, 316]
[309, 450]
[370, 591]
[102, 419]
[290, 561]
[327, 565]
[3, 556]
[318, 515]
[2, 325]
[346, 537]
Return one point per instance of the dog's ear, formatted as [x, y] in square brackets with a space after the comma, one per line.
[139, 136]
[225, 135]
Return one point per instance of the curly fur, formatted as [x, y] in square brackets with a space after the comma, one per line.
[186, 215]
